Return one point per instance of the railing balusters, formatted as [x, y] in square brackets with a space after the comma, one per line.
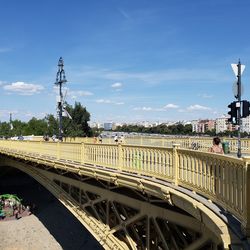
[82, 153]
[225, 180]
[246, 198]
[175, 163]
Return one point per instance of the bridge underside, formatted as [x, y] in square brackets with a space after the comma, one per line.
[124, 217]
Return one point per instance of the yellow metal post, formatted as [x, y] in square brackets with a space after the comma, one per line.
[245, 226]
[58, 151]
[176, 163]
[82, 152]
[120, 158]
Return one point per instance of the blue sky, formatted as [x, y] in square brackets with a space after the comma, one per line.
[125, 60]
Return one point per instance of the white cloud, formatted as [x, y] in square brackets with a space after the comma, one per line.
[205, 96]
[197, 107]
[106, 101]
[143, 109]
[168, 106]
[23, 88]
[79, 93]
[73, 94]
[171, 106]
[182, 110]
[116, 85]
[103, 101]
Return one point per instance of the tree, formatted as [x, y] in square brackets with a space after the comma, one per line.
[78, 125]
[36, 127]
[18, 128]
[178, 129]
[5, 129]
[187, 129]
[211, 132]
[52, 125]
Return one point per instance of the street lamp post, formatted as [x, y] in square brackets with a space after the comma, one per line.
[60, 79]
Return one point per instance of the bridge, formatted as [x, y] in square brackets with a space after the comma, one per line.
[132, 196]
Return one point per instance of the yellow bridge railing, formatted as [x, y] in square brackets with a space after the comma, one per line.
[196, 143]
[222, 179]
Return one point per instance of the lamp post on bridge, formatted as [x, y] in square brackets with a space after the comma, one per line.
[60, 79]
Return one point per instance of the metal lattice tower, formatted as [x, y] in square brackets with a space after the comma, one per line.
[60, 79]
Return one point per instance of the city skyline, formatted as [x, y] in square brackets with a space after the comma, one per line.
[124, 61]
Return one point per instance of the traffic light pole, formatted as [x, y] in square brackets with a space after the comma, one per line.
[239, 109]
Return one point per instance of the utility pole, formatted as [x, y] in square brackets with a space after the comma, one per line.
[241, 106]
[239, 109]
[60, 79]
[11, 125]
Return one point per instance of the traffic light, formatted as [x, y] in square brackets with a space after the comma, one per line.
[245, 108]
[232, 113]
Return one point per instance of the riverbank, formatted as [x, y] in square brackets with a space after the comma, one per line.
[51, 226]
[26, 233]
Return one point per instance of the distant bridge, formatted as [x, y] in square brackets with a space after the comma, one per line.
[143, 197]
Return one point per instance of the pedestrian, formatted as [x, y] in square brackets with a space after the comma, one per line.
[100, 138]
[116, 138]
[28, 210]
[216, 148]
[16, 213]
[122, 139]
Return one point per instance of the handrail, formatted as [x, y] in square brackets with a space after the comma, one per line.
[196, 143]
[220, 178]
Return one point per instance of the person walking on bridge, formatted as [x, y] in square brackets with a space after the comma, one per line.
[116, 138]
[216, 148]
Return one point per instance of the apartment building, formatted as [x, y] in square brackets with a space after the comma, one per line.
[202, 126]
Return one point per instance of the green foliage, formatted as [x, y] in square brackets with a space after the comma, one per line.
[228, 133]
[38, 125]
[97, 131]
[18, 128]
[52, 125]
[211, 132]
[10, 196]
[178, 129]
[5, 129]
[78, 126]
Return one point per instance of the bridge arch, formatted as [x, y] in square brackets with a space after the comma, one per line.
[208, 228]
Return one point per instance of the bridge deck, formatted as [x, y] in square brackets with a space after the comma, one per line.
[217, 181]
